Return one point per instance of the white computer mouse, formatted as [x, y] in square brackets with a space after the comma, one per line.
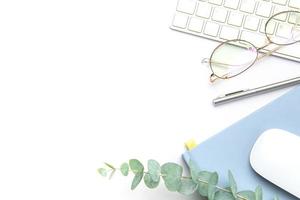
[276, 157]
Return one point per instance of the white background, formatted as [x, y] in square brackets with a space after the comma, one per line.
[83, 82]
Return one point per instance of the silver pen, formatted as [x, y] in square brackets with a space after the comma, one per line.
[255, 91]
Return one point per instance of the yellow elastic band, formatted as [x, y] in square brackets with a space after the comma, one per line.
[190, 144]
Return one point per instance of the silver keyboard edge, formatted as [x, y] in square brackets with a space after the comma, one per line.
[279, 55]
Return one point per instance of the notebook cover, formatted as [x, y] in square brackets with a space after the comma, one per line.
[231, 148]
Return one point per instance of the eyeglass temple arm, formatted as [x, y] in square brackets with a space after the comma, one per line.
[207, 60]
[269, 52]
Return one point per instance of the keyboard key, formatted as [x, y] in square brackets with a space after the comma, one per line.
[219, 15]
[204, 10]
[281, 17]
[296, 33]
[211, 29]
[281, 2]
[248, 6]
[284, 30]
[229, 33]
[233, 4]
[294, 18]
[193, 20]
[270, 28]
[262, 26]
[216, 2]
[294, 4]
[196, 24]
[235, 19]
[180, 20]
[187, 6]
[264, 9]
[251, 23]
[256, 39]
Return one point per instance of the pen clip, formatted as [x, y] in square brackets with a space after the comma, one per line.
[233, 93]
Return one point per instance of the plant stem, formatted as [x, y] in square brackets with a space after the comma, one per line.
[220, 188]
[202, 181]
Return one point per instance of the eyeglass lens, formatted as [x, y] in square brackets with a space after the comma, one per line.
[284, 28]
[230, 59]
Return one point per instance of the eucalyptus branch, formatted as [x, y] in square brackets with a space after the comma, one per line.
[217, 187]
[203, 182]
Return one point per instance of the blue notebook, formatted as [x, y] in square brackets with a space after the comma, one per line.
[231, 148]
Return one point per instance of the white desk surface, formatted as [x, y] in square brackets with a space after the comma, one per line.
[83, 82]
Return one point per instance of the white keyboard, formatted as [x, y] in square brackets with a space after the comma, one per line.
[223, 20]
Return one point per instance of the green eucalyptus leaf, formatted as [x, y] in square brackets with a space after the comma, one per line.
[154, 170]
[194, 170]
[204, 179]
[102, 172]
[188, 187]
[249, 195]
[124, 169]
[171, 174]
[149, 182]
[136, 166]
[136, 180]
[211, 192]
[232, 183]
[213, 180]
[222, 195]
[258, 193]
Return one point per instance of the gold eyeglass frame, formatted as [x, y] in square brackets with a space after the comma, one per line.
[259, 56]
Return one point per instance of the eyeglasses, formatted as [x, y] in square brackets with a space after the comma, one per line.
[234, 57]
